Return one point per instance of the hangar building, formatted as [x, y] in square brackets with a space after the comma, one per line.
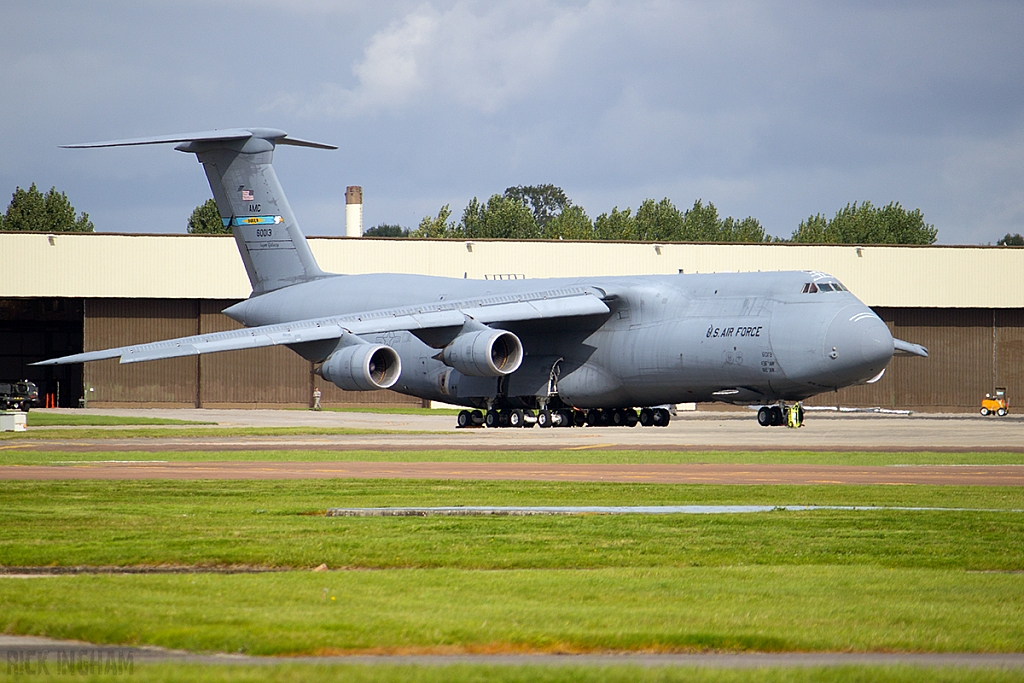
[65, 293]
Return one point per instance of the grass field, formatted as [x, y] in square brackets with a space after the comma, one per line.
[315, 673]
[186, 432]
[281, 524]
[795, 608]
[22, 453]
[778, 581]
[37, 419]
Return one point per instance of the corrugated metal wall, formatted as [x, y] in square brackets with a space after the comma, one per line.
[272, 376]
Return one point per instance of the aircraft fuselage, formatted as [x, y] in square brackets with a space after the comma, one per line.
[744, 338]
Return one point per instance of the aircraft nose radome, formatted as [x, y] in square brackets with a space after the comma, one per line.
[858, 345]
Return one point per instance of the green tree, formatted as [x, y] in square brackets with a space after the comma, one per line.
[658, 222]
[206, 220]
[31, 210]
[387, 230]
[617, 225]
[499, 218]
[439, 226]
[571, 223]
[545, 201]
[1014, 240]
[867, 224]
[747, 230]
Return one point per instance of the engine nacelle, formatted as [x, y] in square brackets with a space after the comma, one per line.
[362, 367]
[484, 353]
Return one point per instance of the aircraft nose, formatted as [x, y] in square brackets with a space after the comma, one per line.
[858, 345]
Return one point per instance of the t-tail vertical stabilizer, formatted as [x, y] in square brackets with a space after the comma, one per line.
[250, 199]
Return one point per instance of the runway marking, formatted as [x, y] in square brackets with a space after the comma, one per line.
[587, 448]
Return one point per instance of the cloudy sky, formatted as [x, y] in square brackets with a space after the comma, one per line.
[777, 110]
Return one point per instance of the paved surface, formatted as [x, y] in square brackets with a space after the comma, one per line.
[972, 475]
[76, 657]
[690, 431]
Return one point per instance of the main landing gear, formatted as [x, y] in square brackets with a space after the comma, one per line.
[572, 417]
[777, 416]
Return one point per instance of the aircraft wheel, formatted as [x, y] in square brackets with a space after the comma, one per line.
[515, 418]
[478, 417]
[593, 418]
[778, 419]
[631, 418]
[1001, 412]
[491, 418]
[646, 417]
[503, 418]
[464, 420]
[618, 418]
[544, 419]
[579, 418]
[666, 417]
[604, 417]
[765, 417]
[567, 419]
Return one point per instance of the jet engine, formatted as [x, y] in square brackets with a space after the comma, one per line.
[362, 367]
[484, 353]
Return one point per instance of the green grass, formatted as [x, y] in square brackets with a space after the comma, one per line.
[778, 581]
[21, 453]
[568, 672]
[37, 419]
[192, 432]
[280, 524]
[803, 608]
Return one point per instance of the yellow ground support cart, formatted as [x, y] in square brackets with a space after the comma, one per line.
[995, 403]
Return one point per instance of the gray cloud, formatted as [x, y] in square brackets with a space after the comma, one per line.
[777, 110]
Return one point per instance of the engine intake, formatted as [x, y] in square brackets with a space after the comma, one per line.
[484, 353]
[362, 367]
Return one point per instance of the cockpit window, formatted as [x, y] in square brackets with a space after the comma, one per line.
[825, 287]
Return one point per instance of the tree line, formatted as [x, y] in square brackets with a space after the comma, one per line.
[545, 212]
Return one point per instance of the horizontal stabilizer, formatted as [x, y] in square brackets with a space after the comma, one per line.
[508, 308]
[278, 137]
[907, 349]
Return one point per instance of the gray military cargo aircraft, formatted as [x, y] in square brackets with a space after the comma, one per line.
[557, 352]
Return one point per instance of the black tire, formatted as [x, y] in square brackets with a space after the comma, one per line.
[604, 417]
[566, 417]
[778, 419]
[503, 418]
[464, 420]
[515, 418]
[579, 418]
[1001, 412]
[544, 419]
[666, 416]
[646, 417]
[765, 417]
[985, 412]
[618, 418]
[478, 417]
[593, 418]
[491, 419]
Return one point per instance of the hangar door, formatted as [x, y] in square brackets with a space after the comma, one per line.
[36, 329]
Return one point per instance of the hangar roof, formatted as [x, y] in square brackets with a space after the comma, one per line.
[105, 265]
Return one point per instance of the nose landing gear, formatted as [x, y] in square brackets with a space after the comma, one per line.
[776, 416]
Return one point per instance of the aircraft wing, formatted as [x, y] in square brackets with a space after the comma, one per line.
[547, 304]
